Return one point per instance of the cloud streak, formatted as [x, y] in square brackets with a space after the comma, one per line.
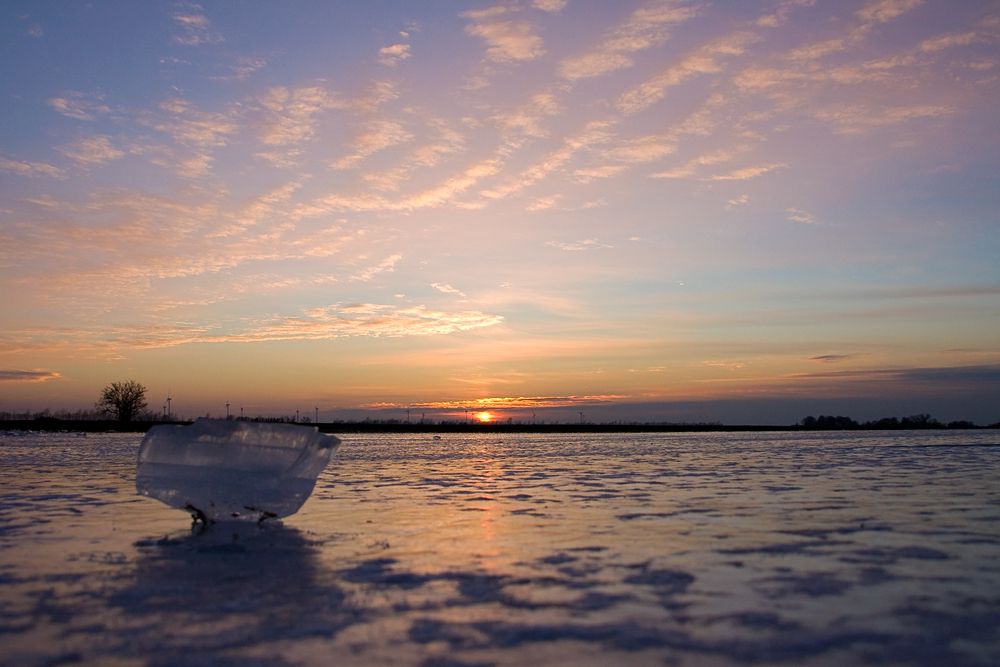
[30, 168]
[514, 402]
[393, 55]
[8, 375]
[195, 28]
[92, 151]
[645, 28]
[508, 41]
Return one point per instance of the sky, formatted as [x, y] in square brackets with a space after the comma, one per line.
[656, 210]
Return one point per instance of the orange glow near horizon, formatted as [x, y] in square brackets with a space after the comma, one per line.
[484, 417]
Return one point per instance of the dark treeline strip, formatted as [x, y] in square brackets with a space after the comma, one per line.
[921, 421]
[79, 415]
[822, 423]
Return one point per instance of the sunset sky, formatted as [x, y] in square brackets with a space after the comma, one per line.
[689, 211]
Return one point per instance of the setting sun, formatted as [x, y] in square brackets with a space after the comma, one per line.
[484, 417]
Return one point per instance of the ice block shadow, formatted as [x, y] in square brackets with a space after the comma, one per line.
[230, 587]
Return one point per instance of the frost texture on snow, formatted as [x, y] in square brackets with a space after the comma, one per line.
[226, 470]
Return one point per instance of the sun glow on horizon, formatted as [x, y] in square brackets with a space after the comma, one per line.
[485, 417]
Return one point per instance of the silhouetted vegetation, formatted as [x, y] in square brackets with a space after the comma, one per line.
[831, 423]
[122, 400]
[62, 415]
[839, 423]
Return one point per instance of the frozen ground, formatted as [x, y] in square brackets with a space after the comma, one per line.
[675, 549]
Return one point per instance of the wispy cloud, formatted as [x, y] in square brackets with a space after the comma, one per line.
[183, 161]
[242, 69]
[515, 402]
[780, 15]
[30, 168]
[290, 117]
[645, 28]
[586, 175]
[715, 157]
[544, 203]
[393, 55]
[385, 265]
[858, 118]
[586, 244]
[92, 150]
[948, 41]
[79, 105]
[508, 41]
[447, 289]
[527, 119]
[641, 149]
[376, 135]
[701, 61]
[186, 125]
[967, 380]
[817, 50]
[593, 134]
[27, 376]
[796, 215]
[549, 5]
[748, 172]
[337, 321]
[881, 11]
[731, 365]
[281, 159]
[195, 27]
[452, 187]
[831, 358]
[367, 319]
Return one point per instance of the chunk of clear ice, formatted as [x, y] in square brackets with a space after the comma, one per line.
[226, 470]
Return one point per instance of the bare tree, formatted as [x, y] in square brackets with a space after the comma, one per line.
[123, 400]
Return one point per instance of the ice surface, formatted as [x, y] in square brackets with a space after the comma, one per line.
[225, 470]
[796, 549]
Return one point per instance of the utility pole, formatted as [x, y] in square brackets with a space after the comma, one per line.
[168, 405]
[227, 408]
[581, 418]
[296, 416]
[317, 414]
[407, 415]
[241, 413]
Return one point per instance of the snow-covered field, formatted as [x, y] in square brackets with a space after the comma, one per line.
[673, 549]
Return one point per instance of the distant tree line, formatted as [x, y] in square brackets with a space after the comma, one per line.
[841, 423]
[62, 415]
